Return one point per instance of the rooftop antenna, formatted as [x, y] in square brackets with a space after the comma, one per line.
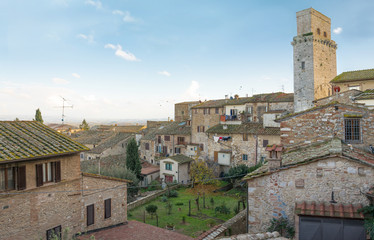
[63, 109]
[282, 88]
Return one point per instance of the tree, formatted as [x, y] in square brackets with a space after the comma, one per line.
[201, 173]
[38, 116]
[132, 158]
[84, 126]
[151, 209]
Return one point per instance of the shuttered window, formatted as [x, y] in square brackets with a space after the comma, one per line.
[90, 214]
[108, 208]
[57, 171]
[7, 179]
[21, 178]
[39, 175]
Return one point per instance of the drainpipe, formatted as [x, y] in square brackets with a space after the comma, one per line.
[256, 149]
[173, 146]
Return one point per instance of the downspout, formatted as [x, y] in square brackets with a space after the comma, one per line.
[178, 173]
[173, 146]
[256, 149]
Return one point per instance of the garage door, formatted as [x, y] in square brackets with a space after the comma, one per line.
[314, 228]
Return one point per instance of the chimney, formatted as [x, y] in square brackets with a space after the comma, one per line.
[274, 164]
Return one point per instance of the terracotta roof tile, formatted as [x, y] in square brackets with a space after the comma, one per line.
[328, 210]
[23, 140]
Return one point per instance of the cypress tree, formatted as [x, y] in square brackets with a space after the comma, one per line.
[132, 158]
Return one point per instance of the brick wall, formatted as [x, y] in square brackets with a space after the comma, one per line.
[275, 195]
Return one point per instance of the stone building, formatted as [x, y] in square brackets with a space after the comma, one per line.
[231, 145]
[366, 98]
[182, 111]
[175, 168]
[314, 58]
[173, 139]
[111, 146]
[318, 188]
[235, 111]
[346, 97]
[358, 80]
[42, 189]
[352, 124]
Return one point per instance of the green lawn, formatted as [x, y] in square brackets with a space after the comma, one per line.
[198, 222]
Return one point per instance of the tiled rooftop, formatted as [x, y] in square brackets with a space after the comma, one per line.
[23, 140]
[328, 210]
[249, 128]
[175, 128]
[111, 142]
[367, 94]
[354, 76]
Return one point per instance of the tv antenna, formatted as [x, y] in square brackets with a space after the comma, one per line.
[63, 109]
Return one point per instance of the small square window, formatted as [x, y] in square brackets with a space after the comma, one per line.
[245, 157]
[303, 65]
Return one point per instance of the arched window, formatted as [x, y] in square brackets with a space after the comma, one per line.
[318, 31]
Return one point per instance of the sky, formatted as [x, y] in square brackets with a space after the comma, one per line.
[132, 59]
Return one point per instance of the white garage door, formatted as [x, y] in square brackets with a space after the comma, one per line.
[224, 159]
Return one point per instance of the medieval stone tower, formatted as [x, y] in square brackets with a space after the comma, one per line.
[314, 58]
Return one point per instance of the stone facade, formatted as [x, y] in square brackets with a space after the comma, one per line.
[173, 144]
[29, 213]
[326, 122]
[314, 55]
[182, 111]
[251, 145]
[275, 195]
[147, 150]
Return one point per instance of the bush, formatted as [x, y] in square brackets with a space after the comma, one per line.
[222, 209]
[240, 171]
[151, 209]
[283, 226]
[154, 185]
[179, 204]
[168, 207]
[173, 194]
[164, 198]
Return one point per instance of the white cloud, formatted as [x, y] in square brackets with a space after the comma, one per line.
[192, 91]
[121, 53]
[88, 38]
[60, 80]
[337, 30]
[96, 4]
[128, 18]
[76, 75]
[117, 12]
[165, 73]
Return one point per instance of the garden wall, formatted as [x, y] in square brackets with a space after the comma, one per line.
[148, 198]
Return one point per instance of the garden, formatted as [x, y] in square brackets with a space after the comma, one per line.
[189, 211]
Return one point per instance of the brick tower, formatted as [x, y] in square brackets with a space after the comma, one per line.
[314, 58]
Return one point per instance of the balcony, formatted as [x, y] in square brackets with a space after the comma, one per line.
[230, 119]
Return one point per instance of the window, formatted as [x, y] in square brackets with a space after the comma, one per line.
[7, 180]
[159, 139]
[90, 214]
[12, 178]
[54, 233]
[180, 140]
[177, 150]
[206, 111]
[352, 130]
[303, 65]
[324, 34]
[201, 147]
[265, 143]
[217, 110]
[167, 138]
[245, 137]
[147, 146]
[108, 208]
[82, 156]
[182, 112]
[245, 157]
[168, 166]
[318, 31]
[48, 172]
[357, 87]
[200, 128]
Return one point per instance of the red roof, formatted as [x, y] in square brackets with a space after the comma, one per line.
[135, 230]
[328, 210]
[274, 147]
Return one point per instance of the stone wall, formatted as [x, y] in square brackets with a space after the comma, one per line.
[341, 97]
[173, 143]
[325, 123]
[275, 195]
[148, 155]
[237, 146]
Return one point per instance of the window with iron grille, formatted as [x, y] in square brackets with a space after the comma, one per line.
[352, 129]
